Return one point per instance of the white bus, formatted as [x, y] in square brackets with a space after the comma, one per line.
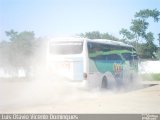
[99, 62]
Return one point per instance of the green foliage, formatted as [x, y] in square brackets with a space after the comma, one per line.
[18, 52]
[98, 35]
[139, 27]
[24, 43]
[4, 54]
[146, 13]
[151, 77]
[159, 39]
[127, 35]
[156, 76]
[158, 53]
[138, 30]
[11, 34]
[91, 35]
[148, 50]
[149, 37]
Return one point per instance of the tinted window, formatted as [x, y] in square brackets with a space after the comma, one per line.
[113, 57]
[127, 56]
[100, 57]
[66, 47]
[93, 47]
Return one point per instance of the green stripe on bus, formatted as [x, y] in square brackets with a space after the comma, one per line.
[97, 53]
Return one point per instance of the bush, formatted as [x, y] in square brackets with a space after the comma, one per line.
[151, 77]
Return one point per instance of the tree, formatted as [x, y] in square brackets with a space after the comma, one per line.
[158, 51]
[108, 36]
[20, 50]
[4, 55]
[159, 39]
[98, 35]
[150, 47]
[149, 37]
[138, 28]
[91, 35]
[149, 50]
[127, 35]
[146, 13]
[11, 34]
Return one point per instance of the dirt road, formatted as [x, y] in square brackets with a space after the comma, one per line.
[36, 97]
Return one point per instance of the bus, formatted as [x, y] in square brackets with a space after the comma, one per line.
[99, 62]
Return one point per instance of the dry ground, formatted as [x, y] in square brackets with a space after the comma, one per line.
[50, 97]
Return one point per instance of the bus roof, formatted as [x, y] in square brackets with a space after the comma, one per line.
[102, 41]
[67, 39]
[110, 42]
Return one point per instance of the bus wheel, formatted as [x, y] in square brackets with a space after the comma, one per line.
[104, 83]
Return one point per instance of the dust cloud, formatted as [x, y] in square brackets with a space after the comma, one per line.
[47, 89]
[40, 88]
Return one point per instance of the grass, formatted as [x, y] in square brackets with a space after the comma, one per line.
[151, 76]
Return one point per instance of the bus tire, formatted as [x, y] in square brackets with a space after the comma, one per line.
[104, 83]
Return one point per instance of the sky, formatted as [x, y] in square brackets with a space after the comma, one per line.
[49, 18]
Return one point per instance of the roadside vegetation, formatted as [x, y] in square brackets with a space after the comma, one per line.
[150, 76]
[17, 52]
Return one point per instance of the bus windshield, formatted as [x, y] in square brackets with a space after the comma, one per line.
[67, 47]
[129, 56]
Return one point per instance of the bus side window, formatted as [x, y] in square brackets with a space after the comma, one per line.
[100, 57]
[113, 57]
